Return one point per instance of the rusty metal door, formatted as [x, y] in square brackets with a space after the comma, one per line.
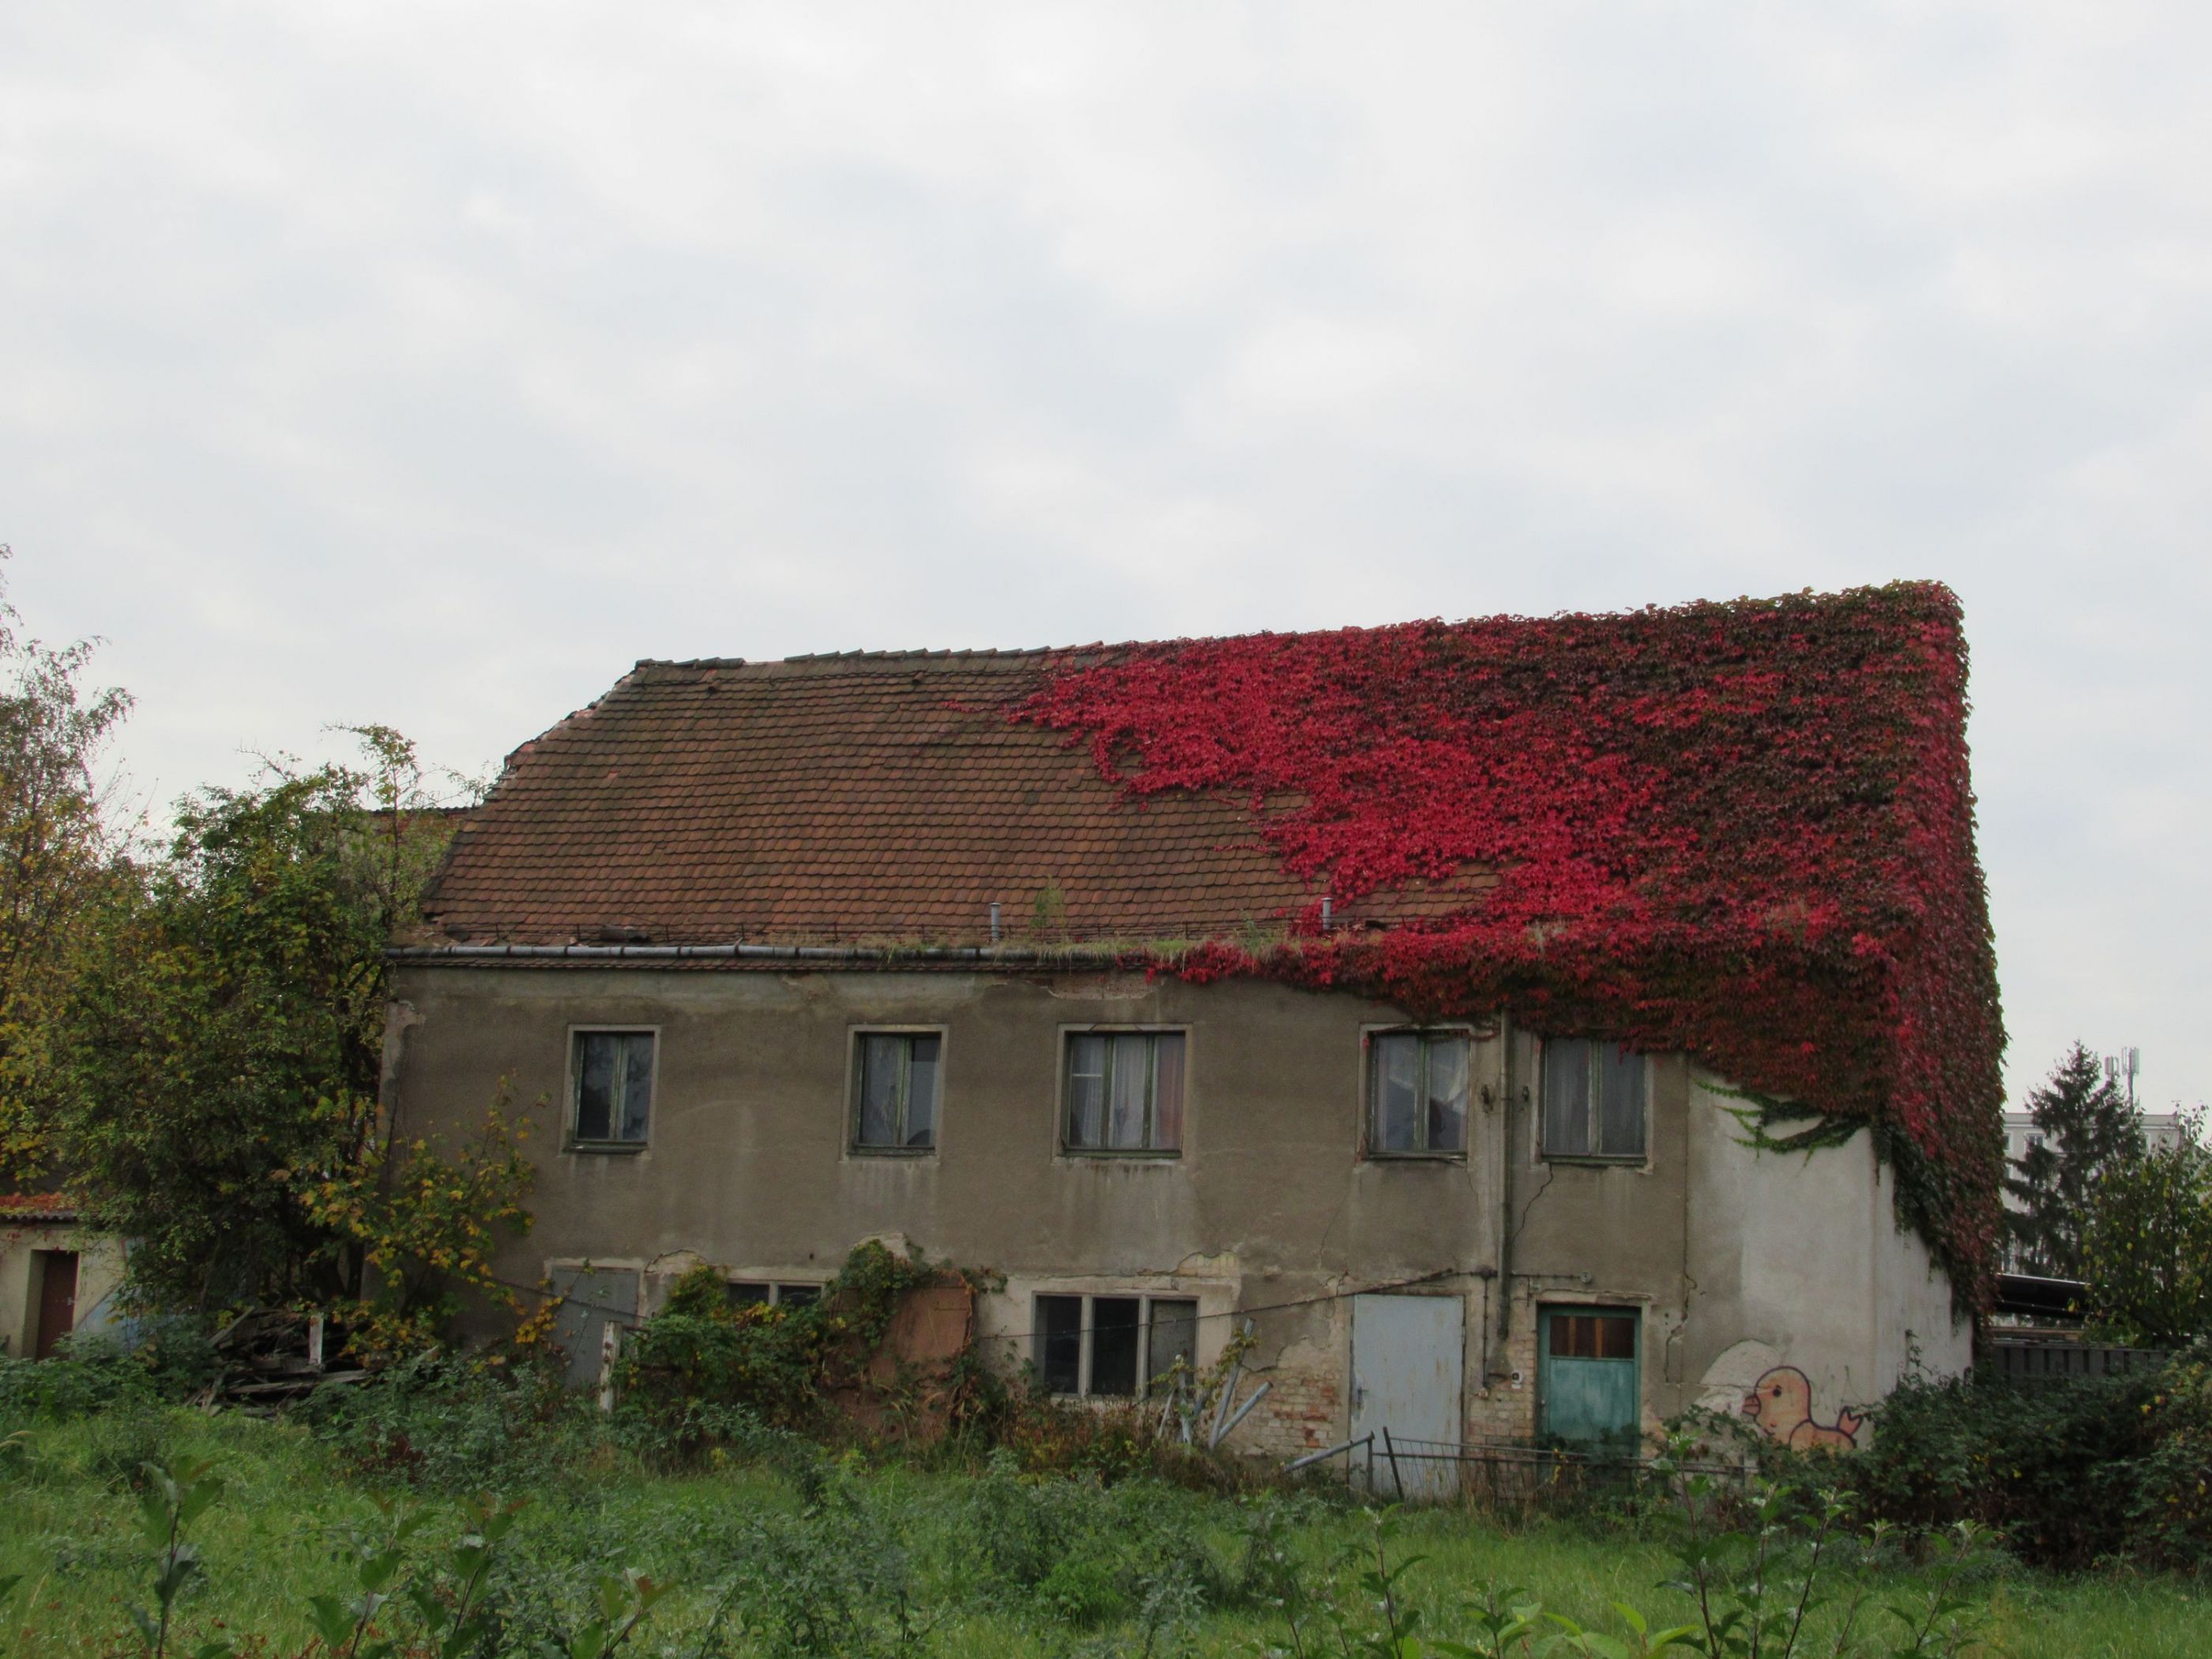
[56, 1299]
[1407, 1376]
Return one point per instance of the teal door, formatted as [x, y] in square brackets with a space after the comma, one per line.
[1587, 1379]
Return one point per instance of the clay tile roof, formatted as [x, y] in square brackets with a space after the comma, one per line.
[859, 797]
[36, 1207]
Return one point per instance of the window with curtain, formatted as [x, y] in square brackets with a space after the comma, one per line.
[894, 1086]
[1124, 1092]
[1416, 1089]
[1594, 1099]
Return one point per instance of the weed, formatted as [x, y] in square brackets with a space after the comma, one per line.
[172, 1498]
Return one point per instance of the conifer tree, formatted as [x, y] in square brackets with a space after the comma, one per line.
[2086, 1128]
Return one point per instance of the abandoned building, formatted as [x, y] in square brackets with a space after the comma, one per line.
[1532, 1028]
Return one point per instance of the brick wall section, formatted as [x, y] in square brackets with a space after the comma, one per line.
[1303, 1411]
[1504, 1411]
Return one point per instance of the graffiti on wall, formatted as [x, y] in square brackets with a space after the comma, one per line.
[1780, 1406]
[1757, 1384]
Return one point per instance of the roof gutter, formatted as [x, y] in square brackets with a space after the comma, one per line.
[983, 954]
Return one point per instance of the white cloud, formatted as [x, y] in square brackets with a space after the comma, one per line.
[429, 363]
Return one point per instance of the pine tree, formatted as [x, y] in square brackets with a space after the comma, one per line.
[2087, 1127]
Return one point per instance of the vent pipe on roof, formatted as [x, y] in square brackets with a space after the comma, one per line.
[1324, 913]
[995, 921]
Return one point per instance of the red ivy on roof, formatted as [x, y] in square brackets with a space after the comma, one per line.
[1743, 830]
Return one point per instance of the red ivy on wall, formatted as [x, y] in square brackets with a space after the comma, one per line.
[1742, 830]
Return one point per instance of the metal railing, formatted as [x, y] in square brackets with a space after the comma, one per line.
[1414, 1470]
[2031, 1361]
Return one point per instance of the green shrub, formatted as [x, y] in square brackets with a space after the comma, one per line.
[455, 1426]
[94, 1377]
[1085, 1553]
[2071, 1472]
[779, 1363]
[765, 1359]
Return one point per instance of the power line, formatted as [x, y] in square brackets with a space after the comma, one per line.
[631, 1320]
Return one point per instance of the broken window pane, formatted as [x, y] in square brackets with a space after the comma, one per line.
[1396, 1090]
[597, 1054]
[1114, 1345]
[745, 1293]
[1086, 1091]
[1566, 1097]
[1621, 1091]
[1167, 1092]
[1059, 1343]
[797, 1295]
[922, 1091]
[637, 1084]
[1446, 1092]
[1174, 1337]
[879, 1081]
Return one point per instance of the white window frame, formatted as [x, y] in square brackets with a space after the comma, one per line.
[571, 1141]
[1144, 1299]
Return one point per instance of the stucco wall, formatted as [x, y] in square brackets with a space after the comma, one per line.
[1803, 1267]
[100, 1270]
[1272, 1212]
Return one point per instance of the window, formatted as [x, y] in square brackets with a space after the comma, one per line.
[1591, 1336]
[1124, 1092]
[895, 1091]
[1113, 1347]
[614, 1087]
[752, 1292]
[1417, 1094]
[1594, 1095]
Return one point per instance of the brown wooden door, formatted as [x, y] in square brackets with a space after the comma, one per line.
[56, 1299]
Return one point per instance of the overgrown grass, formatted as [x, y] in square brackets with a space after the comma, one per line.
[809, 1553]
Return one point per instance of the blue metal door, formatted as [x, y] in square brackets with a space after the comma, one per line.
[1406, 1370]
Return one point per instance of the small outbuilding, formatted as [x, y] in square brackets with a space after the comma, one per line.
[59, 1276]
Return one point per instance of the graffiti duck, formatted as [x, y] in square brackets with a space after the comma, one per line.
[1780, 1404]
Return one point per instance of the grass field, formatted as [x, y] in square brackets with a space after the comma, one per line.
[851, 1560]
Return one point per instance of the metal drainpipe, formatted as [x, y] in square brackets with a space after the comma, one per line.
[1505, 1211]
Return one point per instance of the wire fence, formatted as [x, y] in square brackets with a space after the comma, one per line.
[1497, 1473]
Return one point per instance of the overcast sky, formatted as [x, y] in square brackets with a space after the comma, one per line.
[429, 364]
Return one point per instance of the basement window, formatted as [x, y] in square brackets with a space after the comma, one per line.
[753, 1293]
[1594, 1096]
[895, 1089]
[1113, 1347]
[1416, 1088]
[1124, 1093]
[613, 1083]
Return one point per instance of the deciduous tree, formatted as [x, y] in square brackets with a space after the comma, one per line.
[227, 1040]
[2148, 1248]
[58, 850]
